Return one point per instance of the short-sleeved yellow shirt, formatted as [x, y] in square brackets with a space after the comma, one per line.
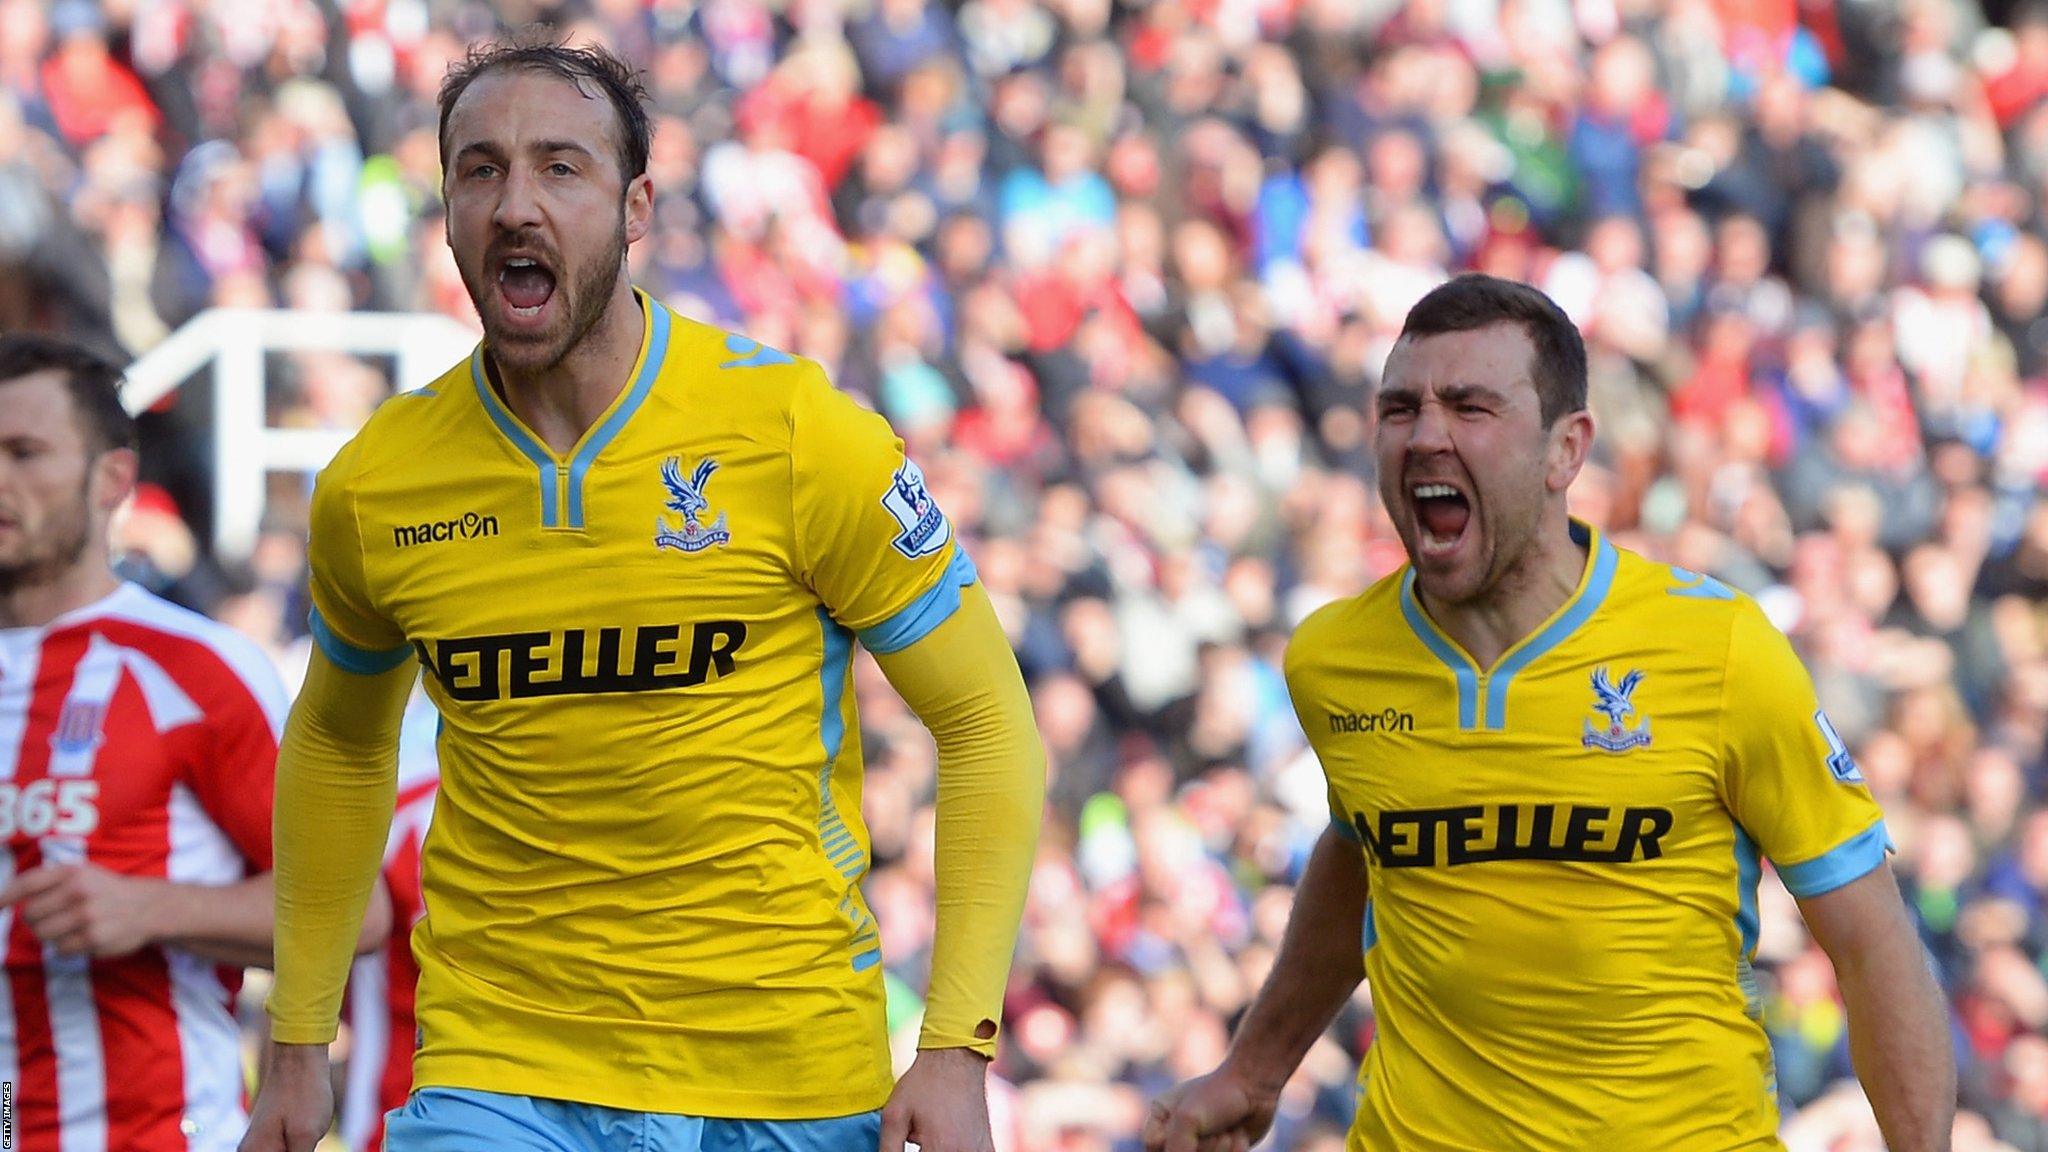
[1564, 851]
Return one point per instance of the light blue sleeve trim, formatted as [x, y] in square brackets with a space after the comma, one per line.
[920, 616]
[1342, 827]
[1852, 859]
[349, 658]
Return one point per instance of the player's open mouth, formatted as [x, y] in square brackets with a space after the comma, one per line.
[1442, 514]
[526, 285]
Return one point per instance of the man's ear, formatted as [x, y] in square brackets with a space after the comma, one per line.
[113, 478]
[1571, 445]
[639, 207]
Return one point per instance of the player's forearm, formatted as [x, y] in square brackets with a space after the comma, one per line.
[226, 923]
[1898, 1020]
[990, 801]
[235, 923]
[1318, 968]
[962, 681]
[1900, 1043]
[336, 778]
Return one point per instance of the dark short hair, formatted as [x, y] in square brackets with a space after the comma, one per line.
[94, 385]
[594, 71]
[1475, 300]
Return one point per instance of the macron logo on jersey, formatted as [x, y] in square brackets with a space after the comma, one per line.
[1369, 723]
[468, 526]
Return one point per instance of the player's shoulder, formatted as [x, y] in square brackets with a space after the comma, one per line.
[204, 658]
[728, 374]
[413, 427]
[1643, 586]
[1346, 624]
[1653, 598]
[728, 383]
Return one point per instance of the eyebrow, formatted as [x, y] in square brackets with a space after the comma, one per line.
[491, 151]
[549, 147]
[1470, 391]
[1449, 393]
[483, 148]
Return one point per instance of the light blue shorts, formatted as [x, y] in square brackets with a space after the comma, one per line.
[466, 1120]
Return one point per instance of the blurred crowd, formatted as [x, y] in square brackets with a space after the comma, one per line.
[1123, 274]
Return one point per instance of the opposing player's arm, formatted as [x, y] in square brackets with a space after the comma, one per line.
[1793, 787]
[229, 924]
[87, 910]
[234, 779]
[228, 759]
[1898, 1022]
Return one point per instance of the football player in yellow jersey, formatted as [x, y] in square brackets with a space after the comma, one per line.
[1554, 769]
[633, 554]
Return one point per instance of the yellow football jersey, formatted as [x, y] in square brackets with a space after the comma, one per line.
[642, 882]
[1563, 853]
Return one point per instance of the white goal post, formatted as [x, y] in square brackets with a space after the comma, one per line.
[245, 448]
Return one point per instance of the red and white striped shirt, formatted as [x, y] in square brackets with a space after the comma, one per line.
[381, 1024]
[143, 738]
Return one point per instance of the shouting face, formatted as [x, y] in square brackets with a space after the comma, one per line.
[539, 214]
[1470, 474]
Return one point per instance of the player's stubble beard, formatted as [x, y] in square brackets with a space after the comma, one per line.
[47, 557]
[590, 295]
[1506, 519]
